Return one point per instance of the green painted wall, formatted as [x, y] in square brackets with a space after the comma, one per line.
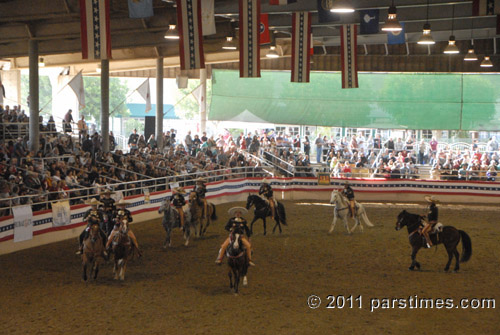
[384, 100]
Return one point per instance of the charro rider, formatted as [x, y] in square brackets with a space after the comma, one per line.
[92, 216]
[122, 213]
[179, 201]
[236, 220]
[108, 208]
[201, 189]
[432, 218]
[349, 194]
[267, 191]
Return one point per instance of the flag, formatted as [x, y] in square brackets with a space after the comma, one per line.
[249, 38]
[76, 85]
[139, 9]
[61, 213]
[397, 37]
[301, 46]
[145, 94]
[485, 7]
[190, 34]
[324, 15]
[265, 36]
[281, 2]
[23, 223]
[349, 55]
[368, 21]
[95, 29]
[208, 17]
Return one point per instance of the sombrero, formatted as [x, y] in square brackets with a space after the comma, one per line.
[122, 202]
[265, 181]
[179, 190]
[107, 192]
[232, 211]
[201, 179]
[93, 202]
[430, 198]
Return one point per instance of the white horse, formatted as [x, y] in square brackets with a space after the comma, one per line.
[342, 210]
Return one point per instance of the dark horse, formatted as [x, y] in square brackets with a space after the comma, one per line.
[449, 236]
[237, 260]
[263, 210]
[92, 252]
[123, 249]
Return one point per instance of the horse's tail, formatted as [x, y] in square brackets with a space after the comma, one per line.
[281, 213]
[214, 214]
[366, 220]
[466, 246]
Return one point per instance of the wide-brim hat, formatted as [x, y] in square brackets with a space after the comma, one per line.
[93, 202]
[232, 211]
[122, 202]
[107, 192]
[265, 181]
[431, 198]
[200, 179]
[179, 190]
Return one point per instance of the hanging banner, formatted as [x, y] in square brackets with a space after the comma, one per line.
[301, 47]
[190, 34]
[61, 213]
[23, 224]
[249, 39]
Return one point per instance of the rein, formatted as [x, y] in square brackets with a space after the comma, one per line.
[237, 256]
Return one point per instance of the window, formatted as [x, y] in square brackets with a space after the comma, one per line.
[293, 131]
[427, 134]
[351, 131]
[445, 134]
[280, 129]
[483, 135]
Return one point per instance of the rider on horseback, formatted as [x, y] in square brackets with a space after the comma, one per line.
[432, 218]
[201, 189]
[267, 191]
[349, 194]
[108, 208]
[92, 216]
[122, 214]
[236, 221]
[179, 201]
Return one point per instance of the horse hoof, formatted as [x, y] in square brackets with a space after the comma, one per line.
[411, 268]
[245, 281]
[186, 244]
[330, 231]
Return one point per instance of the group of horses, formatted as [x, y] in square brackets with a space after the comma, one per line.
[93, 250]
[197, 221]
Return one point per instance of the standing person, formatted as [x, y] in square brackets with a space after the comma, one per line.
[68, 119]
[307, 146]
[82, 129]
[152, 141]
[237, 221]
[319, 148]
[432, 218]
[433, 144]
[112, 141]
[133, 140]
[267, 191]
[188, 140]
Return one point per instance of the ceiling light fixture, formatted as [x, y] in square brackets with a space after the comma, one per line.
[486, 62]
[338, 6]
[471, 55]
[229, 44]
[41, 62]
[98, 68]
[451, 48]
[392, 23]
[426, 37]
[272, 53]
[172, 33]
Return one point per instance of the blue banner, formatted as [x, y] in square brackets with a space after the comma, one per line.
[397, 37]
[139, 9]
[368, 21]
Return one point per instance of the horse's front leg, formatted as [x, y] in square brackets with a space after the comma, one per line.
[334, 221]
[84, 273]
[264, 221]
[346, 224]
[414, 262]
[96, 269]
[251, 224]
[207, 223]
[230, 274]
[277, 220]
[187, 234]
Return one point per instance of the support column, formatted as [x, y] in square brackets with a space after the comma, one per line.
[105, 104]
[34, 140]
[203, 100]
[159, 103]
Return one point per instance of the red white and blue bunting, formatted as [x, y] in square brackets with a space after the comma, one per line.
[301, 45]
[249, 38]
[190, 34]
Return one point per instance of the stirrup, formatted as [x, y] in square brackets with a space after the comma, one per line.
[218, 261]
[251, 263]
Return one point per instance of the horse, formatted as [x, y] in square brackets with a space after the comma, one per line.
[92, 252]
[171, 220]
[237, 260]
[342, 210]
[196, 208]
[122, 248]
[447, 235]
[263, 210]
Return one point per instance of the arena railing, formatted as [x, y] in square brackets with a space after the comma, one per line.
[159, 184]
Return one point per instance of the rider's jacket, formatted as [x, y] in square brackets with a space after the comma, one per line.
[432, 216]
[266, 190]
[348, 192]
[201, 190]
[94, 215]
[232, 224]
[121, 214]
[178, 200]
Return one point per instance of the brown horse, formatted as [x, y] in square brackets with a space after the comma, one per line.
[92, 252]
[196, 207]
[123, 250]
[449, 236]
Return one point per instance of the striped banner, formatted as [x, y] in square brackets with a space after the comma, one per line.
[249, 38]
[95, 29]
[349, 55]
[190, 34]
[301, 46]
[485, 7]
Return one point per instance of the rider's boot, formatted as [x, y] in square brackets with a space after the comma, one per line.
[249, 257]
[80, 250]
[428, 240]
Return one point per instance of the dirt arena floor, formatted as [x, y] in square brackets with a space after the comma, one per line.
[181, 291]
